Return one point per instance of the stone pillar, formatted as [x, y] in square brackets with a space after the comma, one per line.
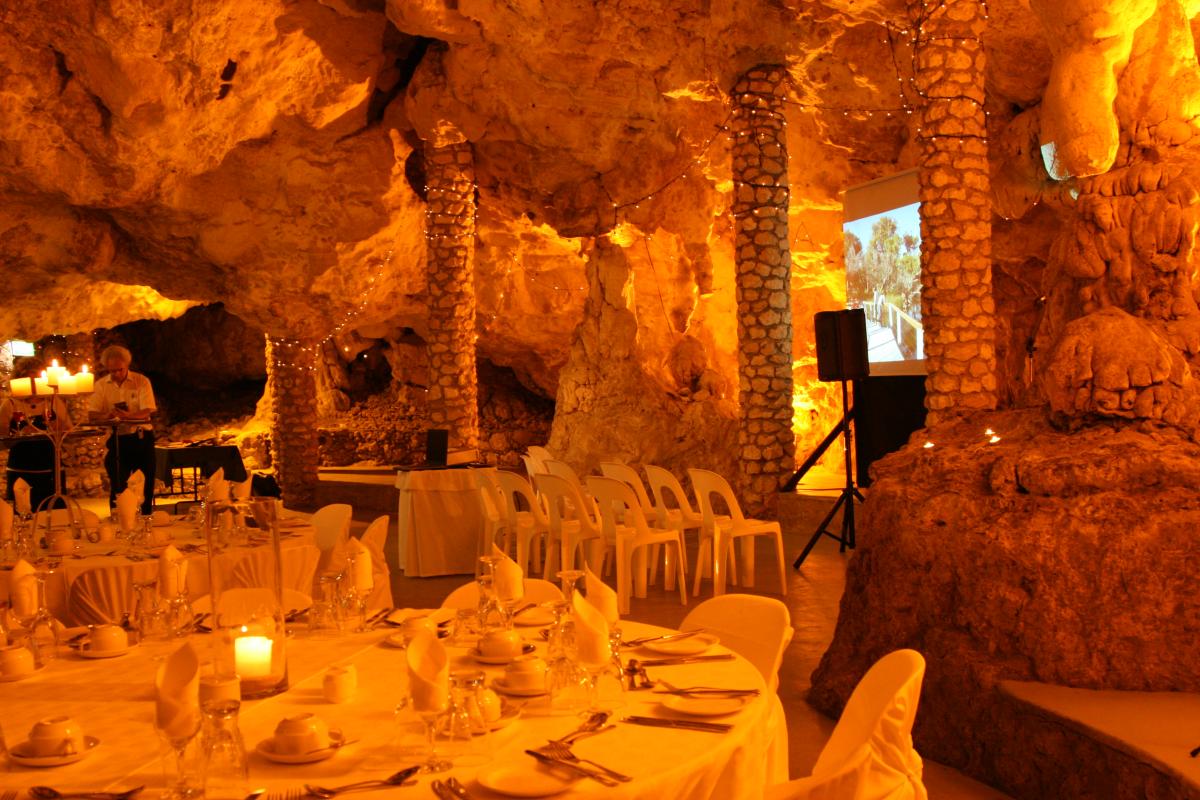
[956, 212]
[760, 207]
[295, 451]
[450, 231]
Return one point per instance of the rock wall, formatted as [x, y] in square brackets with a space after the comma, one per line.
[1067, 558]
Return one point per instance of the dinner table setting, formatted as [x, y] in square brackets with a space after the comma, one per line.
[505, 698]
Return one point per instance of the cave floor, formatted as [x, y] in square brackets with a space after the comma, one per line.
[814, 593]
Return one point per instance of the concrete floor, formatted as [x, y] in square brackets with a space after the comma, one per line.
[814, 593]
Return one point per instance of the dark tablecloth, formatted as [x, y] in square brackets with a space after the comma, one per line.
[208, 458]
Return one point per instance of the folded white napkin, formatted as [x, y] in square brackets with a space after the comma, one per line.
[428, 673]
[509, 581]
[591, 633]
[21, 496]
[177, 694]
[218, 487]
[136, 482]
[602, 596]
[128, 503]
[360, 557]
[172, 572]
[22, 589]
[241, 491]
[6, 520]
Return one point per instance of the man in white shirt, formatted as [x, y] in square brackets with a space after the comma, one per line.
[126, 397]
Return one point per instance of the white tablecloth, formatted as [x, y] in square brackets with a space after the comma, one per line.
[439, 522]
[185, 536]
[112, 700]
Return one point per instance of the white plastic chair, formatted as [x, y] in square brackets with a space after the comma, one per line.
[529, 526]
[495, 519]
[101, 596]
[624, 524]
[879, 717]
[848, 783]
[536, 591]
[674, 510]
[720, 534]
[374, 538]
[629, 476]
[756, 628]
[564, 470]
[332, 524]
[571, 521]
[540, 454]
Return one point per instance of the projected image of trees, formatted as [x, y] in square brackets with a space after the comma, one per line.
[883, 276]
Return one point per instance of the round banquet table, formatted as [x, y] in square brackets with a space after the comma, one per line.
[113, 700]
[297, 543]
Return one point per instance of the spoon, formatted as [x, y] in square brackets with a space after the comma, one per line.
[48, 793]
[254, 795]
[392, 780]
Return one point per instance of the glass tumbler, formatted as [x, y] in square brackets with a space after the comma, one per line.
[223, 753]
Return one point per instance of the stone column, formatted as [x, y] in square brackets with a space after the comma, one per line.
[450, 231]
[760, 208]
[295, 452]
[956, 213]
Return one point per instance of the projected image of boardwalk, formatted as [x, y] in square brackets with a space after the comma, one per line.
[892, 334]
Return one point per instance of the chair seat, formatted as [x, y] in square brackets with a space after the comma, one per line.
[747, 527]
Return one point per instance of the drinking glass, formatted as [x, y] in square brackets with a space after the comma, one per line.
[434, 762]
[491, 616]
[181, 761]
[569, 578]
[324, 618]
[465, 628]
[466, 731]
[40, 627]
[410, 731]
[149, 617]
[223, 752]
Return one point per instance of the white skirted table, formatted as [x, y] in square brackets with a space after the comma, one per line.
[299, 553]
[113, 701]
[439, 522]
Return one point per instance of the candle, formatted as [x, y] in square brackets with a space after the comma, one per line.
[84, 380]
[252, 656]
[66, 384]
[41, 384]
[21, 387]
[53, 373]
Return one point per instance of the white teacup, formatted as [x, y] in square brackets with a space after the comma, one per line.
[300, 734]
[15, 660]
[500, 644]
[56, 736]
[528, 673]
[106, 638]
[414, 625]
[106, 532]
[340, 683]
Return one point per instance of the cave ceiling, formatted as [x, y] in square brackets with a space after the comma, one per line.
[266, 155]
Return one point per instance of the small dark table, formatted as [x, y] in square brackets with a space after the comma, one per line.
[171, 464]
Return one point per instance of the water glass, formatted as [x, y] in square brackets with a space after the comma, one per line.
[410, 732]
[223, 753]
[465, 630]
[324, 617]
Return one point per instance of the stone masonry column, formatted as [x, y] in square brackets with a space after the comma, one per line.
[295, 452]
[450, 230]
[760, 207]
[956, 212]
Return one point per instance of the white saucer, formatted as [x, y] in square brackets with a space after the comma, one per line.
[86, 652]
[706, 706]
[496, 661]
[508, 715]
[501, 686]
[10, 678]
[691, 646]
[19, 755]
[266, 749]
[522, 779]
[535, 617]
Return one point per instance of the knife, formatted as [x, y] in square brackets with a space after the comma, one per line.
[578, 770]
[686, 724]
[669, 637]
[668, 662]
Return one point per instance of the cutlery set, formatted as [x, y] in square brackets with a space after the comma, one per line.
[450, 789]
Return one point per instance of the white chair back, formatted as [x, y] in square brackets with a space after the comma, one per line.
[564, 470]
[564, 502]
[332, 524]
[101, 596]
[618, 505]
[880, 713]
[628, 476]
[514, 486]
[848, 783]
[665, 486]
[240, 605]
[255, 569]
[707, 484]
[756, 628]
[374, 538]
[533, 466]
[536, 591]
[541, 454]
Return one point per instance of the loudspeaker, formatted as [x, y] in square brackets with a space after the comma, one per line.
[887, 409]
[437, 445]
[841, 345]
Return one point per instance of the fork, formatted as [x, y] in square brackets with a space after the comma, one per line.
[287, 794]
[562, 752]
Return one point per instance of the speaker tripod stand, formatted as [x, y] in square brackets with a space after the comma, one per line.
[849, 493]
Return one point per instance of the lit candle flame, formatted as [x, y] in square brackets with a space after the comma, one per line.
[994, 439]
[928, 445]
[989, 432]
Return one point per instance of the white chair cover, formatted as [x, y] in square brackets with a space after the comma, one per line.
[880, 715]
[254, 570]
[756, 628]
[374, 538]
[848, 783]
[240, 605]
[332, 526]
[101, 596]
[536, 591]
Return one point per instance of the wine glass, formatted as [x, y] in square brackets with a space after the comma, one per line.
[39, 626]
[430, 713]
[569, 578]
[181, 767]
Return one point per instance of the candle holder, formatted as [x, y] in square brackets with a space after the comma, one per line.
[250, 625]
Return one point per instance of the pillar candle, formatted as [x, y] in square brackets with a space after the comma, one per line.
[66, 384]
[252, 656]
[84, 381]
[53, 373]
[21, 387]
[41, 384]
